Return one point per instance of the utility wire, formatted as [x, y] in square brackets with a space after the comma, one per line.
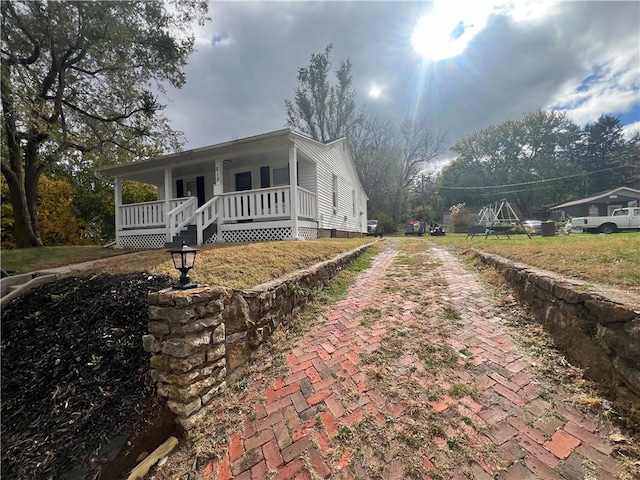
[530, 183]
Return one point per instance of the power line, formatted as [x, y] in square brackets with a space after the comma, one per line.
[584, 174]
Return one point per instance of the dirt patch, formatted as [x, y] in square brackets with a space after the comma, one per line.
[75, 382]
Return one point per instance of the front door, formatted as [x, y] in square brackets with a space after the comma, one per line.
[193, 188]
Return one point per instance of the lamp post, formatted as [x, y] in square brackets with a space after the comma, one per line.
[184, 258]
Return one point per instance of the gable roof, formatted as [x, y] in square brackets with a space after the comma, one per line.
[226, 150]
[341, 142]
[632, 193]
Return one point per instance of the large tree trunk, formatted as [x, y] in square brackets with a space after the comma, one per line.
[23, 200]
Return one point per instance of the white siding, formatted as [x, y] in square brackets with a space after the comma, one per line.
[307, 175]
[334, 159]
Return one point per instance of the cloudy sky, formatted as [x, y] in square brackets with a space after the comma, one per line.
[463, 65]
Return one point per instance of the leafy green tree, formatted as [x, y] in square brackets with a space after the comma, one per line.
[603, 155]
[464, 180]
[78, 77]
[530, 161]
[320, 109]
[631, 161]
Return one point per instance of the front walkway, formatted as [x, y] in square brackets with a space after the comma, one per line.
[420, 372]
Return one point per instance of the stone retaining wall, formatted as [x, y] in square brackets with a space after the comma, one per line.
[597, 330]
[197, 337]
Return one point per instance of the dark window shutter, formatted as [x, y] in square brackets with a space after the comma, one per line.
[264, 177]
[179, 188]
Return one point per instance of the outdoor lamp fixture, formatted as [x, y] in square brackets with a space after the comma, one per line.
[184, 258]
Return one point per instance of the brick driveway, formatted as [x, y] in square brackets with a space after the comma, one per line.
[420, 372]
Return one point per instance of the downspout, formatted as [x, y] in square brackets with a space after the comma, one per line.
[293, 190]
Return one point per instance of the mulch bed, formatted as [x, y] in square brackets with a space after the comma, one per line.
[74, 374]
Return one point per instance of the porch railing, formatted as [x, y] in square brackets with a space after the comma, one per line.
[307, 206]
[181, 215]
[205, 216]
[147, 214]
[142, 215]
[260, 204]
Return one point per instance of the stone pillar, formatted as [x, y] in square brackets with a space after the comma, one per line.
[187, 342]
[199, 336]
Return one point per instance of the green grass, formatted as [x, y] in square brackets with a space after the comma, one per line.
[451, 313]
[24, 260]
[460, 390]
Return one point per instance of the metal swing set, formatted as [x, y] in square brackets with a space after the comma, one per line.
[496, 219]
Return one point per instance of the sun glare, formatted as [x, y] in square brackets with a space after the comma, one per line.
[446, 31]
[450, 26]
[375, 91]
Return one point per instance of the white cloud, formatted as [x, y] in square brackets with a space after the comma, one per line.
[249, 55]
[612, 87]
[448, 28]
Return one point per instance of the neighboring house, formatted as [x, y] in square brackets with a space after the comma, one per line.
[600, 204]
[276, 186]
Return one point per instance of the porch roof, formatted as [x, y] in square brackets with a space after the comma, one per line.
[227, 150]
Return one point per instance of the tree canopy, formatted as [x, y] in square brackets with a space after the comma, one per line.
[538, 161]
[79, 78]
[320, 109]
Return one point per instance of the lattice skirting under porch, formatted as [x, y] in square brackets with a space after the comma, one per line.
[308, 233]
[142, 242]
[266, 235]
[157, 240]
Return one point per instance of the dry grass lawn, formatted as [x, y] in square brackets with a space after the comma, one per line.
[607, 259]
[235, 265]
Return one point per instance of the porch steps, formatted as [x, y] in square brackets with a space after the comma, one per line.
[188, 236]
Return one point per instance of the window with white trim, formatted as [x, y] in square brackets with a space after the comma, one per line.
[335, 194]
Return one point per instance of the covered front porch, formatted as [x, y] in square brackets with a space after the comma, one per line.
[256, 189]
[247, 216]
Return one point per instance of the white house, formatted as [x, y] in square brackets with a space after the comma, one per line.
[276, 186]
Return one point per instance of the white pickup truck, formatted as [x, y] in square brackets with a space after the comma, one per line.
[620, 219]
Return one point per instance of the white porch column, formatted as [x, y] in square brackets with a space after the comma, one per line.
[168, 184]
[293, 190]
[217, 178]
[218, 189]
[118, 203]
